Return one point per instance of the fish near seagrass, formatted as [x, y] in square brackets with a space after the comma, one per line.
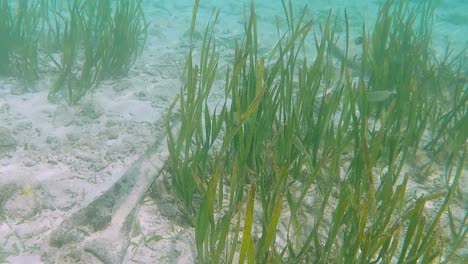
[380, 96]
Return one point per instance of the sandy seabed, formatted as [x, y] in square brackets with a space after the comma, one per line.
[55, 160]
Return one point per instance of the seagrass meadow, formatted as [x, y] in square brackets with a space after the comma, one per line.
[204, 131]
[310, 159]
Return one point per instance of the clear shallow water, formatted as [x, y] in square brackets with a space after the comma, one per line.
[450, 20]
[449, 26]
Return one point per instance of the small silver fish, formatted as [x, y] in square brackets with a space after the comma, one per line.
[379, 96]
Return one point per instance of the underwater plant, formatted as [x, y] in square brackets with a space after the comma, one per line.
[297, 165]
[96, 40]
[96, 44]
[18, 48]
[126, 38]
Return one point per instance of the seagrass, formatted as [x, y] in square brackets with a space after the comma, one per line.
[282, 135]
[96, 44]
[18, 48]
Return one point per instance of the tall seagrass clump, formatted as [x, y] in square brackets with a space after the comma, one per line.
[298, 165]
[97, 44]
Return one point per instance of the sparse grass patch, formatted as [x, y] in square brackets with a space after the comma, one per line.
[95, 39]
[96, 45]
[18, 32]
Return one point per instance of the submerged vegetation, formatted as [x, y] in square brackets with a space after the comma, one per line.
[18, 45]
[94, 40]
[299, 164]
[305, 159]
[109, 44]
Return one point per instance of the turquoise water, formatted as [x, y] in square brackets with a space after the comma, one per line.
[118, 121]
[450, 20]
